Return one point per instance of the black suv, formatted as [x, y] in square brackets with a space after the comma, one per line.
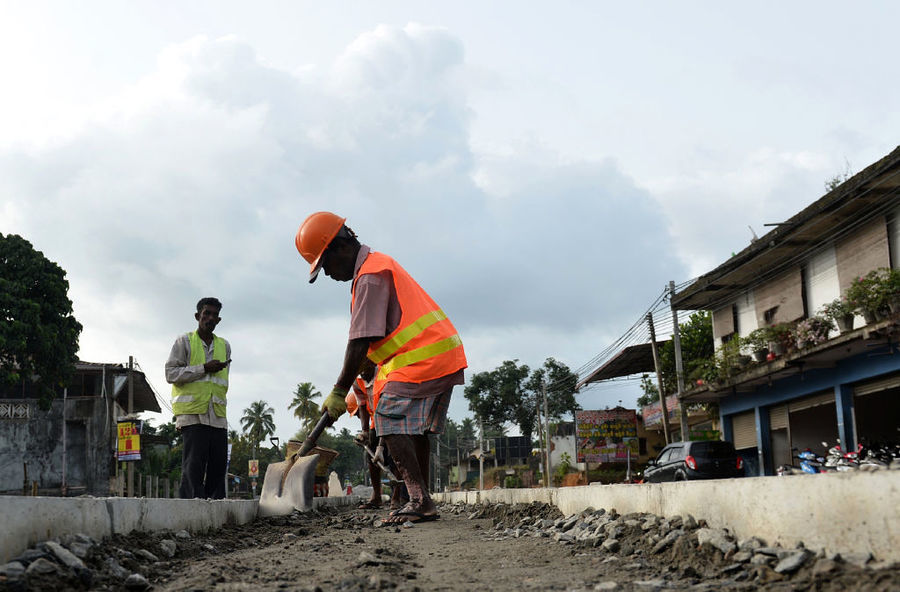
[684, 461]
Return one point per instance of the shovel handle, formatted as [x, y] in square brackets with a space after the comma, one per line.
[310, 441]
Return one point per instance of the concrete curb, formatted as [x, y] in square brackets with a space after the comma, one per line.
[30, 520]
[849, 512]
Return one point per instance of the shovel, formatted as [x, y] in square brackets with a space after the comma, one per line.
[376, 458]
[288, 485]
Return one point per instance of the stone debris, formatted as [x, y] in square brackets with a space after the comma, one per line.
[686, 547]
[136, 582]
[145, 554]
[65, 556]
[639, 551]
[168, 547]
[41, 566]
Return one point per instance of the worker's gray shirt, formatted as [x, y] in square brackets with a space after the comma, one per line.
[179, 371]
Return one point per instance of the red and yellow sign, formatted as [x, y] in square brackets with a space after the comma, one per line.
[254, 468]
[129, 446]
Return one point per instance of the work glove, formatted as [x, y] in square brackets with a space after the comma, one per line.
[335, 403]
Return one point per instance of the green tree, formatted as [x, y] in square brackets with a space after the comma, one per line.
[697, 348]
[511, 394]
[257, 422]
[306, 409]
[560, 382]
[171, 433]
[38, 334]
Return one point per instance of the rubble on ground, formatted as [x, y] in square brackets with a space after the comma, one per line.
[685, 548]
[637, 551]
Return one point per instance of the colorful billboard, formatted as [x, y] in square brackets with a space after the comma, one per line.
[129, 437]
[606, 436]
[652, 413]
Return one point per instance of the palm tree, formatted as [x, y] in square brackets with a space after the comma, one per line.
[305, 408]
[257, 422]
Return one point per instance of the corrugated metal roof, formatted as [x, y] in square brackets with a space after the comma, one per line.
[871, 193]
[634, 359]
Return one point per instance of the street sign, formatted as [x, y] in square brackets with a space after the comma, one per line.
[129, 440]
[254, 468]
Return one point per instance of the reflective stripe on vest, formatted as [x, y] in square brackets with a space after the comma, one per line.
[425, 345]
[194, 397]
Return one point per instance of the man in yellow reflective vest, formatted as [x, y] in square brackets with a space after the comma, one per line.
[395, 324]
[197, 368]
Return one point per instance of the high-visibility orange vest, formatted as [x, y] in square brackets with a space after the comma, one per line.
[425, 345]
[360, 388]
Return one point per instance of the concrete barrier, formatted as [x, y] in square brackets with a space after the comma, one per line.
[30, 520]
[848, 512]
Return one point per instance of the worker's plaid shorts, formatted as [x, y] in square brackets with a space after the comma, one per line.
[401, 415]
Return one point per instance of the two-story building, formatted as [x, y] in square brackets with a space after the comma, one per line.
[847, 387]
[70, 448]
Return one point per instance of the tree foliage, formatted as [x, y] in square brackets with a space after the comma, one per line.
[697, 348]
[38, 333]
[306, 409]
[257, 422]
[511, 394]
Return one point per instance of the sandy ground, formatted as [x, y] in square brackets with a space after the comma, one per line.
[348, 550]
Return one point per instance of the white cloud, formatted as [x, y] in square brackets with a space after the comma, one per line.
[480, 162]
[193, 181]
[710, 209]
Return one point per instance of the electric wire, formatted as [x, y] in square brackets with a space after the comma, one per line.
[635, 334]
[163, 403]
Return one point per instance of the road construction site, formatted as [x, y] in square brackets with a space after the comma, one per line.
[683, 536]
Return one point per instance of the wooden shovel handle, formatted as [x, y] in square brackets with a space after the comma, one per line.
[310, 442]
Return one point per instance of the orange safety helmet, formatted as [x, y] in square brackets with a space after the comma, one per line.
[352, 403]
[314, 236]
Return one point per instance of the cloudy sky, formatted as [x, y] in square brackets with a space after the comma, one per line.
[543, 169]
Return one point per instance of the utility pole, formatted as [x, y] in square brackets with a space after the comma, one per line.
[659, 382]
[459, 479]
[546, 429]
[65, 486]
[130, 414]
[540, 425]
[679, 365]
[481, 456]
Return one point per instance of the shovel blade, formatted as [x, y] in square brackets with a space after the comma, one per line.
[288, 486]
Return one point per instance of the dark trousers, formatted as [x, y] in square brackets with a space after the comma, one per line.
[203, 463]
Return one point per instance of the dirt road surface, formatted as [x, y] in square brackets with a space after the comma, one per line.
[498, 548]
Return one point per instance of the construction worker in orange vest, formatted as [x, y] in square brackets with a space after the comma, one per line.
[395, 324]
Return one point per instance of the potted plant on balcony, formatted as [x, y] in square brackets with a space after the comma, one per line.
[781, 338]
[868, 295]
[811, 331]
[728, 358]
[758, 342]
[840, 312]
[891, 289]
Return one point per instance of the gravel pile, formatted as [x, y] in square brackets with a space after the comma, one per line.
[682, 548]
[133, 561]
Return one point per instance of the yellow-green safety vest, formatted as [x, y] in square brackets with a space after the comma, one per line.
[193, 397]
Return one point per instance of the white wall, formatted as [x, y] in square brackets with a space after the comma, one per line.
[822, 284]
[848, 512]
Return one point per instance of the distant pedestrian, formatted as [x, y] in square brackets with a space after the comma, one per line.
[197, 368]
